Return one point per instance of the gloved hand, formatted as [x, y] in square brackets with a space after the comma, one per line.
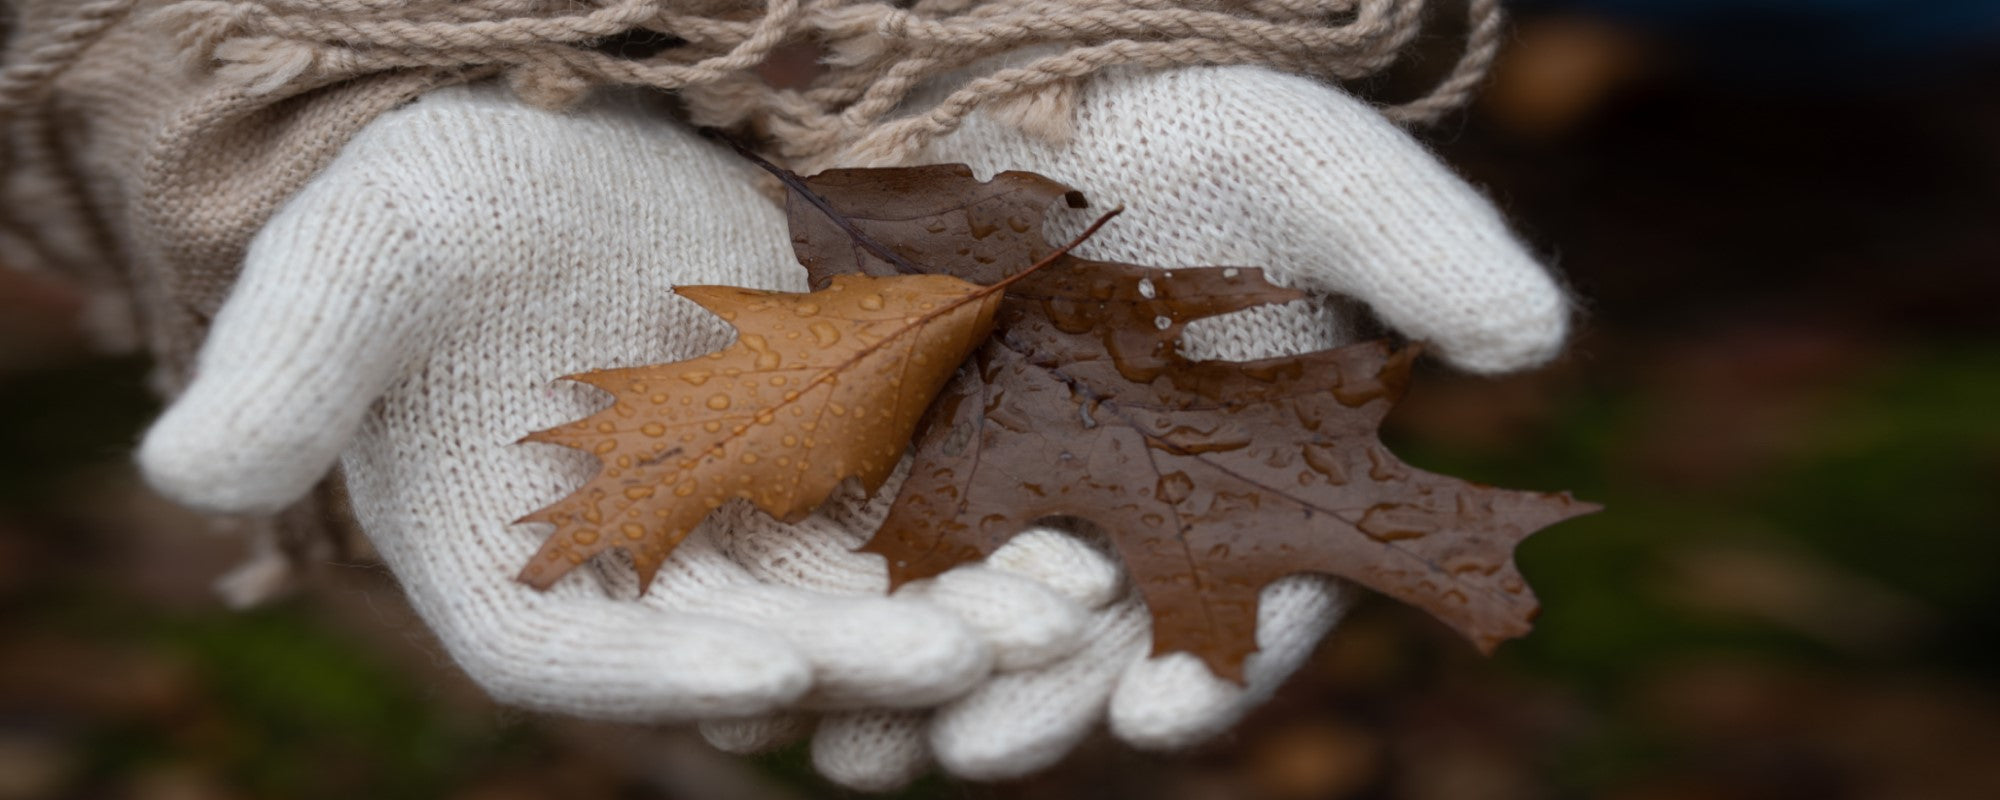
[1215, 166]
[409, 312]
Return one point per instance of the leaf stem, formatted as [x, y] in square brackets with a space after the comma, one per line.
[1059, 252]
[797, 184]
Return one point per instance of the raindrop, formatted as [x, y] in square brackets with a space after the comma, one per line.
[1384, 467]
[979, 228]
[1389, 522]
[718, 401]
[1162, 322]
[1146, 289]
[1326, 461]
[824, 333]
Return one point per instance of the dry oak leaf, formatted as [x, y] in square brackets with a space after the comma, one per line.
[817, 388]
[1212, 479]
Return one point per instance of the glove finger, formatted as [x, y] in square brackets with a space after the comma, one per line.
[574, 650]
[1174, 701]
[317, 327]
[1019, 722]
[752, 735]
[639, 667]
[871, 751]
[1024, 623]
[865, 651]
[1262, 169]
[881, 652]
[1384, 221]
[1066, 564]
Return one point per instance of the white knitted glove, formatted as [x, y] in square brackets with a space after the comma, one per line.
[1217, 166]
[408, 313]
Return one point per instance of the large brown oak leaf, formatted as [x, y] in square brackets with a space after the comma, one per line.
[1212, 479]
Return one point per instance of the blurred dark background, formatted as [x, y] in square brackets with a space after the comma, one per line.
[1783, 220]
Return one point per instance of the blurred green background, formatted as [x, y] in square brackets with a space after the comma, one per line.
[1786, 390]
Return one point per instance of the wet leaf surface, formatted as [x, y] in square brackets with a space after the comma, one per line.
[1212, 478]
[817, 388]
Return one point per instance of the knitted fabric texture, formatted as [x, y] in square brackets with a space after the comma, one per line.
[144, 142]
[145, 178]
[1256, 167]
[554, 50]
[404, 315]
[144, 182]
[366, 315]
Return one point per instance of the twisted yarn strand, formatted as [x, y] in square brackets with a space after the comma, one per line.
[881, 53]
[24, 81]
[1106, 33]
[1482, 45]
